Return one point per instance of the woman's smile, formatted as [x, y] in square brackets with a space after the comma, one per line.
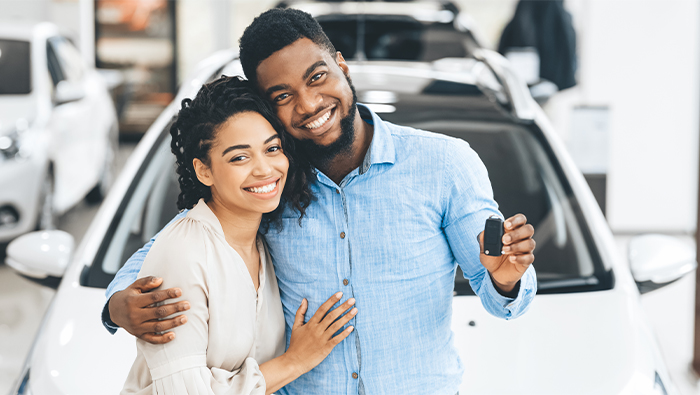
[264, 190]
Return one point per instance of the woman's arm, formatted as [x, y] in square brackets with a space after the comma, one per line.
[310, 343]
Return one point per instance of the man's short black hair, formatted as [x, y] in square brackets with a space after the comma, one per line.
[275, 29]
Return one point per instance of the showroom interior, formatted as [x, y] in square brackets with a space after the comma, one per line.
[612, 88]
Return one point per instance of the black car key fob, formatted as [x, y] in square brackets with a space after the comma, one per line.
[493, 236]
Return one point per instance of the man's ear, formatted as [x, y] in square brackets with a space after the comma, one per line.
[341, 63]
[203, 172]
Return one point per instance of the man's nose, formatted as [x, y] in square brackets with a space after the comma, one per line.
[309, 101]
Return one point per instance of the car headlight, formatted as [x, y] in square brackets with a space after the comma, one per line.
[9, 145]
[659, 387]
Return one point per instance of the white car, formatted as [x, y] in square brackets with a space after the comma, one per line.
[585, 333]
[58, 129]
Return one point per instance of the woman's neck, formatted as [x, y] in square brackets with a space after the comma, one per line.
[240, 227]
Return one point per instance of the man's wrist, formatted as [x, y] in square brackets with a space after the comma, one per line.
[506, 290]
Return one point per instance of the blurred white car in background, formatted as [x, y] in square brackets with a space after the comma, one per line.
[58, 129]
[585, 333]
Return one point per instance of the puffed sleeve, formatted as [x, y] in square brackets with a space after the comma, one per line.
[180, 366]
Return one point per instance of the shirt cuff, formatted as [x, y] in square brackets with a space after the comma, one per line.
[512, 294]
[107, 321]
[511, 308]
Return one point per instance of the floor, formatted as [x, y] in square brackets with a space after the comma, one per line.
[23, 303]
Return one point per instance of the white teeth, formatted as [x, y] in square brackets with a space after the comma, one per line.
[265, 189]
[319, 122]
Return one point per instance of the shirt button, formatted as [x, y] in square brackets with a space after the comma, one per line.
[342, 235]
[346, 282]
[354, 375]
[337, 191]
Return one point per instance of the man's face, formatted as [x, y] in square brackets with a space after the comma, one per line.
[312, 95]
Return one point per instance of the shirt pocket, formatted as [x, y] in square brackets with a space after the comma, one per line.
[299, 253]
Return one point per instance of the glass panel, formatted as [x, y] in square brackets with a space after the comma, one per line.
[149, 208]
[524, 180]
[15, 67]
[68, 57]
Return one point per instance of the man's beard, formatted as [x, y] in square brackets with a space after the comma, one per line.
[322, 155]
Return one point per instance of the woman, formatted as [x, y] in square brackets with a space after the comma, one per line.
[233, 171]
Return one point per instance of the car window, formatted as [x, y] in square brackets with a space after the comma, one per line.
[525, 180]
[394, 38]
[15, 67]
[64, 60]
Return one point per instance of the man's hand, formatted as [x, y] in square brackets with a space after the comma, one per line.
[518, 246]
[132, 309]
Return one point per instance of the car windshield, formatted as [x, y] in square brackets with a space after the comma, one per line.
[524, 173]
[15, 67]
[394, 38]
[525, 180]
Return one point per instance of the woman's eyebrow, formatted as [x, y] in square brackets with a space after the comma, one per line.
[246, 146]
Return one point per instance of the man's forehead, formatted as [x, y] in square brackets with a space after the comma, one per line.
[292, 61]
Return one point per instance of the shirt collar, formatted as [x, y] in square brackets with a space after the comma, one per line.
[381, 149]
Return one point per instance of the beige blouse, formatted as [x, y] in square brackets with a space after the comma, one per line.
[230, 328]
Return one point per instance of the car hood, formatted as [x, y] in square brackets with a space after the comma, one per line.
[579, 343]
[586, 343]
[74, 353]
[14, 108]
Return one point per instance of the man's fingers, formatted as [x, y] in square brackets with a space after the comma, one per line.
[155, 338]
[152, 313]
[523, 247]
[153, 297]
[321, 312]
[165, 325]
[147, 283]
[515, 221]
[524, 259]
[521, 233]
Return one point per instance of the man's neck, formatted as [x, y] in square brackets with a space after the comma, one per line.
[337, 168]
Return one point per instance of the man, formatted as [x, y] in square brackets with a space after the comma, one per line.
[396, 209]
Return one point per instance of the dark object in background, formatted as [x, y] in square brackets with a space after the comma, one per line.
[547, 27]
[493, 235]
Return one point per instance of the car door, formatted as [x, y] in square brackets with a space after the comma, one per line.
[72, 122]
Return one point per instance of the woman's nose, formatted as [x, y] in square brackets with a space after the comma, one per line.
[262, 167]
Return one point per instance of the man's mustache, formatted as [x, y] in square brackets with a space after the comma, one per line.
[318, 111]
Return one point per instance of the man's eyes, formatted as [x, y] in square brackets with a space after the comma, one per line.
[281, 97]
[317, 76]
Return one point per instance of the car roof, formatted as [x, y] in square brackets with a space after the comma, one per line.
[423, 11]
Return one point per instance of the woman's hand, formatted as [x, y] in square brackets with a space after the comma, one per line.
[312, 342]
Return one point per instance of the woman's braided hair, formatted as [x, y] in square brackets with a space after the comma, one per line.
[194, 130]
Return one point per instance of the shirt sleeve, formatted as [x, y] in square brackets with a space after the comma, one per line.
[180, 366]
[127, 275]
[468, 202]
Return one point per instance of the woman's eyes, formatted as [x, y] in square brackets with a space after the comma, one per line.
[238, 158]
[274, 148]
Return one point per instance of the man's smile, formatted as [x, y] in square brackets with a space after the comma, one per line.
[320, 123]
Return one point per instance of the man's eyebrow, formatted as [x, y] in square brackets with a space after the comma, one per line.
[246, 146]
[276, 88]
[313, 67]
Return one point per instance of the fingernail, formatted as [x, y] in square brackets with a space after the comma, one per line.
[505, 249]
[506, 239]
[154, 279]
[185, 306]
[509, 224]
[339, 295]
[512, 258]
[350, 328]
[353, 311]
[183, 319]
[351, 301]
[171, 336]
[177, 292]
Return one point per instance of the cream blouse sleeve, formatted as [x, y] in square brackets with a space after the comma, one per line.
[180, 366]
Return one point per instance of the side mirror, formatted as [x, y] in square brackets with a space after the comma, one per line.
[658, 260]
[41, 255]
[67, 92]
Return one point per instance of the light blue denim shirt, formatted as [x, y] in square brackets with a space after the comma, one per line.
[395, 229]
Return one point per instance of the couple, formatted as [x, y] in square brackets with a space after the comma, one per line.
[372, 221]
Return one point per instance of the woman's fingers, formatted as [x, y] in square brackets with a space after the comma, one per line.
[301, 311]
[321, 312]
[337, 312]
[340, 337]
[335, 327]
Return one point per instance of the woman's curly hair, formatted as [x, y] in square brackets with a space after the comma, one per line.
[194, 130]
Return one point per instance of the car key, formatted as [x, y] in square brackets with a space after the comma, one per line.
[493, 236]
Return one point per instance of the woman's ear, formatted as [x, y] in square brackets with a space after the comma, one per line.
[203, 172]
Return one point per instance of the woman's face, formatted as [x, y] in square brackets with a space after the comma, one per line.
[247, 168]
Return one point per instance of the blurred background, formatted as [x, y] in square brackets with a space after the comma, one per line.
[619, 81]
